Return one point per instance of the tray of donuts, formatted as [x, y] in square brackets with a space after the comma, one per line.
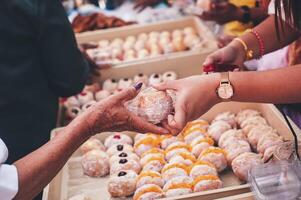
[134, 43]
[114, 80]
[209, 159]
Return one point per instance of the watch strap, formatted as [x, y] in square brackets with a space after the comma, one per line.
[225, 78]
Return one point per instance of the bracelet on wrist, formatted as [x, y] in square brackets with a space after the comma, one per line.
[249, 54]
[260, 43]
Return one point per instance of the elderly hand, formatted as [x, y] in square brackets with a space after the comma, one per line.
[111, 115]
[195, 96]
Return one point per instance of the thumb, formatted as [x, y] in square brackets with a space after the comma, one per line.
[129, 93]
[178, 121]
[167, 85]
[213, 58]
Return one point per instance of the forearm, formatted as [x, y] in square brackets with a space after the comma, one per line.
[37, 169]
[275, 86]
[258, 15]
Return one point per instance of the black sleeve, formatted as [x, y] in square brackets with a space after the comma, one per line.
[66, 69]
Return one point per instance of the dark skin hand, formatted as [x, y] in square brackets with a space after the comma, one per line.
[140, 5]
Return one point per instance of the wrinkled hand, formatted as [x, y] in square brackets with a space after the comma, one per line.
[140, 5]
[195, 96]
[111, 115]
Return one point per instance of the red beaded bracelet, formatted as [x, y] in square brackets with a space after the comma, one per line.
[260, 42]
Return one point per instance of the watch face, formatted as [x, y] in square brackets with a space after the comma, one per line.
[225, 91]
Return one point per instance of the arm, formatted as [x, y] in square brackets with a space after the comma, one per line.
[62, 62]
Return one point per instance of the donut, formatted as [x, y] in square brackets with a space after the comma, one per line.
[175, 148]
[166, 140]
[153, 151]
[130, 38]
[150, 177]
[122, 184]
[244, 114]
[92, 144]
[256, 132]
[229, 136]
[192, 133]
[199, 123]
[267, 141]
[146, 144]
[148, 192]
[165, 34]
[73, 112]
[110, 85]
[184, 158]
[178, 44]
[125, 164]
[95, 163]
[154, 164]
[103, 43]
[168, 48]
[242, 164]
[92, 88]
[191, 40]
[117, 138]
[140, 136]
[198, 145]
[172, 170]
[117, 42]
[119, 148]
[141, 78]
[85, 97]
[236, 148]
[143, 53]
[251, 122]
[228, 117]
[177, 33]
[269, 153]
[216, 156]
[163, 42]
[126, 155]
[207, 182]
[149, 157]
[143, 36]
[71, 102]
[128, 45]
[154, 34]
[178, 186]
[217, 128]
[139, 45]
[202, 168]
[117, 53]
[124, 83]
[155, 79]
[102, 94]
[88, 105]
[169, 76]
[189, 31]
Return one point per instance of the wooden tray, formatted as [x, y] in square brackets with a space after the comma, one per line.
[70, 180]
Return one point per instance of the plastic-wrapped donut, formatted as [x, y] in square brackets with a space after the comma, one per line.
[102, 94]
[217, 128]
[73, 112]
[198, 145]
[118, 138]
[124, 155]
[148, 192]
[243, 163]
[155, 79]
[202, 168]
[175, 148]
[146, 144]
[125, 164]
[257, 132]
[228, 117]
[172, 170]
[92, 144]
[231, 135]
[150, 177]
[178, 186]
[207, 182]
[110, 85]
[122, 184]
[95, 163]
[169, 76]
[88, 105]
[184, 158]
[124, 83]
[244, 114]
[267, 141]
[216, 156]
[85, 97]
[236, 148]
[119, 148]
[251, 122]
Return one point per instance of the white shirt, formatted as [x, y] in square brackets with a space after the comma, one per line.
[8, 175]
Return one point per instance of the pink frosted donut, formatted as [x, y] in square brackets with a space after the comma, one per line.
[217, 128]
[95, 163]
[122, 184]
[118, 138]
[125, 164]
[92, 144]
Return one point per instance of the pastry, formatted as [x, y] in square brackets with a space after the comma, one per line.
[155, 79]
[217, 128]
[124, 83]
[119, 148]
[207, 182]
[131, 39]
[257, 132]
[140, 136]
[192, 133]
[191, 40]
[85, 97]
[141, 78]
[168, 48]
[216, 156]
[143, 36]
[117, 43]
[88, 105]
[242, 164]
[73, 112]
[198, 145]
[92, 88]
[148, 192]
[103, 43]
[143, 53]
[71, 102]
[268, 140]
[125, 164]
[110, 85]
[185, 158]
[139, 45]
[199, 123]
[178, 186]
[92, 144]
[151, 156]
[146, 144]
[165, 34]
[173, 170]
[177, 33]
[231, 135]
[176, 148]
[118, 138]
[95, 163]
[244, 114]
[202, 168]
[228, 117]
[189, 31]
[169, 76]
[251, 122]
[150, 177]
[236, 148]
[122, 184]
[178, 44]
[154, 164]
[117, 53]
[126, 155]
[154, 34]
[166, 140]
[128, 46]
[102, 94]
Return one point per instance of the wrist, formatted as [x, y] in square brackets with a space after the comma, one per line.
[239, 48]
[213, 82]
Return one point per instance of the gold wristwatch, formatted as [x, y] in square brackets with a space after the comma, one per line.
[225, 90]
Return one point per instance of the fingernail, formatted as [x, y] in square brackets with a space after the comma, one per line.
[138, 86]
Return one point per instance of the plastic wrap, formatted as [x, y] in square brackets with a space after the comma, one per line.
[152, 105]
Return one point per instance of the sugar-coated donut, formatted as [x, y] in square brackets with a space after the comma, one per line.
[200, 144]
[92, 144]
[118, 138]
[228, 117]
[165, 34]
[128, 45]
[156, 164]
[140, 136]
[243, 163]
[179, 45]
[175, 148]
[189, 31]
[110, 85]
[153, 151]
[229, 136]
[150, 177]
[102, 94]
[191, 40]
[199, 123]
[217, 128]
[125, 164]
[166, 140]
[202, 168]
[130, 38]
[155, 79]
[124, 83]
[73, 112]
[119, 148]
[146, 143]
[216, 156]
[149, 157]
[244, 114]
[126, 155]
[268, 140]
[169, 76]
[177, 33]
[256, 132]
[143, 53]
[117, 53]
[207, 182]
[192, 133]
[85, 97]
[236, 148]
[117, 42]
[251, 122]
[143, 36]
[141, 78]
[103, 43]
[95, 163]
[168, 48]
[154, 34]
[148, 192]
[139, 45]
[172, 170]
[178, 186]
[88, 105]
[122, 184]
[71, 102]
[185, 158]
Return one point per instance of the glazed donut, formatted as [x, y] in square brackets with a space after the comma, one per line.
[178, 186]
[146, 144]
[231, 135]
[85, 97]
[88, 105]
[92, 144]
[175, 148]
[244, 114]
[257, 132]
[200, 144]
[119, 148]
[169, 76]
[185, 158]
[202, 168]
[217, 128]
[166, 140]
[110, 85]
[172, 170]
[243, 163]
[125, 164]
[216, 156]
[118, 138]
[102, 94]
[122, 184]
[124, 155]
[228, 117]
[150, 177]
[73, 112]
[236, 148]
[267, 141]
[155, 79]
[148, 192]
[72, 102]
[141, 78]
[95, 163]
[251, 122]
[207, 182]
